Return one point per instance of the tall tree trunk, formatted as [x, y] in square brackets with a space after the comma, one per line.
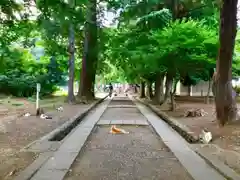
[169, 92]
[135, 88]
[150, 91]
[71, 64]
[172, 95]
[168, 86]
[93, 81]
[175, 86]
[225, 102]
[142, 95]
[173, 103]
[208, 92]
[174, 8]
[90, 55]
[158, 89]
[189, 88]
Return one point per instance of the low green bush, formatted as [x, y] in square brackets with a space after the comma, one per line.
[19, 77]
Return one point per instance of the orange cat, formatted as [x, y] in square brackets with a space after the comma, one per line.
[115, 130]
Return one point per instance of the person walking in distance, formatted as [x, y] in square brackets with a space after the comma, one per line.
[110, 89]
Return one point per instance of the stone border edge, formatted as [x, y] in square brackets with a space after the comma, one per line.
[219, 166]
[30, 170]
[66, 124]
[181, 129]
[223, 169]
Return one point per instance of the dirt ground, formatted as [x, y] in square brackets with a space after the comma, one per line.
[17, 131]
[226, 139]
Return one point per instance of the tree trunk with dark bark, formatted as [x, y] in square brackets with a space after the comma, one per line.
[225, 102]
[142, 95]
[173, 103]
[90, 54]
[150, 91]
[158, 95]
[208, 92]
[135, 88]
[189, 88]
[175, 86]
[172, 95]
[71, 50]
[174, 8]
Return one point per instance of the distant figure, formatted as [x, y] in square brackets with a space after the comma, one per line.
[110, 89]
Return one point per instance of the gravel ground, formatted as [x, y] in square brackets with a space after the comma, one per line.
[22, 131]
[139, 155]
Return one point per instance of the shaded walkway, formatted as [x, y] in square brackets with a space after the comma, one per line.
[138, 155]
[90, 152]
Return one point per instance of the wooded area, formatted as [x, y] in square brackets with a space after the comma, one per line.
[181, 40]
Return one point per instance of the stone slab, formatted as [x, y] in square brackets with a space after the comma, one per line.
[87, 125]
[197, 167]
[104, 122]
[44, 146]
[30, 170]
[73, 146]
[129, 122]
[61, 161]
[141, 122]
[76, 140]
[113, 122]
[48, 174]
[122, 106]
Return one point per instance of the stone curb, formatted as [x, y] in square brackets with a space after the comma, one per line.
[219, 166]
[223, 169]
[76, 119]
[57, 166]
[28, 172]
[184, 131]
[67, 124]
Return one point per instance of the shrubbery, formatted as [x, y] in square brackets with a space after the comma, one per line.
[19, 76]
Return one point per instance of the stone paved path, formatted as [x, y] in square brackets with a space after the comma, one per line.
[139, 155]
[151, 150]
[53, 163]
[122, 111]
